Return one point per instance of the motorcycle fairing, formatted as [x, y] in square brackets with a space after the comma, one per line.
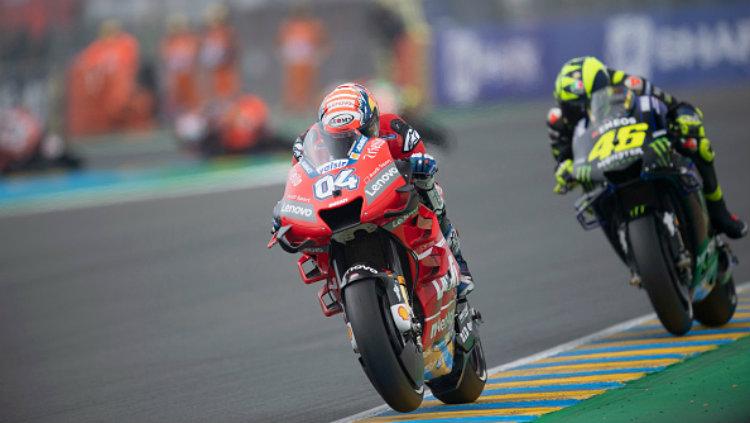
[386, 204]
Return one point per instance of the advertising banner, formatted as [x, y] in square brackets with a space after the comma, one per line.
[690, 47]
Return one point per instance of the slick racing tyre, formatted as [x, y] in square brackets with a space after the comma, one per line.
[381, 352]
[718, 307]
[465, 385]
[659, 277]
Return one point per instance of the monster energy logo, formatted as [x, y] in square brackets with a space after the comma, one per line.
[662, 148]
[583, 173]
[638, 210]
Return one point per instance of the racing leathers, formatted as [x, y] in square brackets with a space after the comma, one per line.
[688, 138]
[405, 143]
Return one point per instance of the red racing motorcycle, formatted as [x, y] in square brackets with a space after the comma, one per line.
[352, 212]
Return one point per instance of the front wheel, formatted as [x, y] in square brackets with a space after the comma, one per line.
[653, 260]
[377, 341]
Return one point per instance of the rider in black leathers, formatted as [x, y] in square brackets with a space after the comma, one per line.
[580, 77]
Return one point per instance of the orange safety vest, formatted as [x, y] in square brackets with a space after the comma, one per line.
[218, 58]
[179, 54]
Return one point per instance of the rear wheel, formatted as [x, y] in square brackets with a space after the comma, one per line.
[377, 341]
[669, 298]
[467, 384]
[718, 307]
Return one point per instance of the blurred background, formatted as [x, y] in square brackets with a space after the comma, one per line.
[243, 75]
[144, 143]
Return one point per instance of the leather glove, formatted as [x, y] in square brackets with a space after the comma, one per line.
[686, 121]
[658, 154]
[564, 177]
[410, 135]
[423, 165]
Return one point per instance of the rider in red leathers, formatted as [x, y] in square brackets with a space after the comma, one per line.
[351, 106]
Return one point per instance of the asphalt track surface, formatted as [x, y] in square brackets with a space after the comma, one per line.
[173, 310]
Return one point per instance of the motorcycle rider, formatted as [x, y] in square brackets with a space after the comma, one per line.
[354, 100]
[580, 77]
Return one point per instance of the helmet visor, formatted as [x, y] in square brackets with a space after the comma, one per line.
[610, 102]
[321, 147]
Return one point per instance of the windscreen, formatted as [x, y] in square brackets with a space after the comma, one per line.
[321, 147]
[610, 102]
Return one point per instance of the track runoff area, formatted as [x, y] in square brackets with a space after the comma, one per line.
[632, 372]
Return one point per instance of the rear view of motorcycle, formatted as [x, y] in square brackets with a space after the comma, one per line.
[351, 211]
[649, 202]
[26, 145]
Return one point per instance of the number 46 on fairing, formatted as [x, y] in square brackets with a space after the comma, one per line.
[327, 184]
[617, 140]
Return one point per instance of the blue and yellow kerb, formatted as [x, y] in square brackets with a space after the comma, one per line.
[523, 393]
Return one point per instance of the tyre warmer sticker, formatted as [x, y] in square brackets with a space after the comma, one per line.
[524, 392]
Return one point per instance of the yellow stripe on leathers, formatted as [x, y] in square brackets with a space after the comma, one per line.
[654, 351]
[569, 368]
[528, 396]
[521, 411]
[621, 377]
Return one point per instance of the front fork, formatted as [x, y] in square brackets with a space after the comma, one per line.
[466, 321]
[399, 302]
[401, 310]
[680, 255]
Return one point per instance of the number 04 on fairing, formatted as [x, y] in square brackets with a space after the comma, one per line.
[349, 208]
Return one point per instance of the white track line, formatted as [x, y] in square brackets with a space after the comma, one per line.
[217, 182]
[620, 327]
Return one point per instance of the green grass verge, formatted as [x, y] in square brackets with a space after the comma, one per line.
[712, 387]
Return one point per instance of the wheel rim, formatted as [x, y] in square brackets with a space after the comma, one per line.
[477, 357]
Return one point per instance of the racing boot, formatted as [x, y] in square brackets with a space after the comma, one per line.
[432, 197]
[723, 221]
[466, 283]
[688, 128]
[466, 280]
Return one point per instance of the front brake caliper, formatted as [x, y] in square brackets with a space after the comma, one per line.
[401, 311]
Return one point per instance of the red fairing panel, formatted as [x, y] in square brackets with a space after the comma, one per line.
[437, 271]
[377, 181]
